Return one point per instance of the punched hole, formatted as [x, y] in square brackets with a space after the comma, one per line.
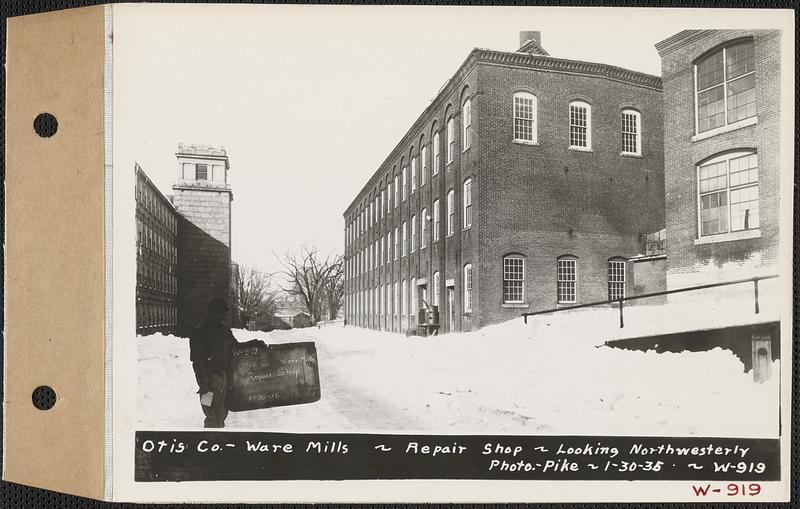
[44, 397]
[45, 125]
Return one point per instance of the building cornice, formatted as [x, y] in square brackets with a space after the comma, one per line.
[560, 65]
[520, 60]
[680, 39]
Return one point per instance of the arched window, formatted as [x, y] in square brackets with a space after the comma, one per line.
[436, 220]
[466, 126]
[616, 278]
[580, 125]
[405, 239]
[423, 161]
[728, 193]
[405, 180]
[450, 212]
[467, 201]
[451, 139]
[423, 239]
[725, 85]
[567, 279]
[413, 174]
[468, 288]
[396, 189]
[631, 132]
[514, 279]
[525, 118]
[396, 241]
[437, 150]
[413, 301]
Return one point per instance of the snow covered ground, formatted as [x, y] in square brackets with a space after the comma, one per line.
[550, 376]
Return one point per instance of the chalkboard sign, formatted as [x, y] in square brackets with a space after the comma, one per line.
[264, 376]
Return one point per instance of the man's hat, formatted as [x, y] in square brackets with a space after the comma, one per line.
[218, 304]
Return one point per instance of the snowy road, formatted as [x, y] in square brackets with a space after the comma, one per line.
[546, 377]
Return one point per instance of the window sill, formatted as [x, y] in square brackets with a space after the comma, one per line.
[515, 305]
[526, 142]
[467, 228]
[580, 149]
[726, 128]
[630, 154]
[728, 237]
[466, 150]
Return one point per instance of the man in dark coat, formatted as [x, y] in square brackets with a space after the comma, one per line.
[211, 344]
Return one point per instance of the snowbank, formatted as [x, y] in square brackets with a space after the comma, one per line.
[546, 377]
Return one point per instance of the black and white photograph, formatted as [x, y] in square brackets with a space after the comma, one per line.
[409, 222]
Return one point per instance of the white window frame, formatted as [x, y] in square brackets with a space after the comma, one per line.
[424, 166]
[468, 288]
[451, 212]
[437, 153]
[637, 134]
[574, 262]
[727, 157]
[436, 280]
[724, 84]
[467, 204]
[396, 190]
[405, 182]
[436, 219]
[466, 125]
[405, 239]
[413, 233]
[413, 174]
[451, 141]
[521, 259]
[423, 241]
[614, 265]
[396, 242]
[588, 108]
[534, 140]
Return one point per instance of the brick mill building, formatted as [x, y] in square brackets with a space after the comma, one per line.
[529, 182]
[721, 132]
[184, 243]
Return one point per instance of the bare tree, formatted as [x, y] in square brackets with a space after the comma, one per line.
[256, 296]
[306, 273]
[334, 287]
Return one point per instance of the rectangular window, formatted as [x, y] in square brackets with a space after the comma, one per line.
[376, 255]
[524, 117]
[436, 153]
[413, 233]
[388, 247]
[579, 124]
[467, 197]
[397, 299]
[616, 279]
[468, 288]
[435, 288]
[631, 143]
[513, 279]
[404, 303]
[396, 241]
[435, 220]
[202, 172]
[383, 200]
[567, 277]
[405, 239]
[413, 302]
[424, 233]
[396, 190]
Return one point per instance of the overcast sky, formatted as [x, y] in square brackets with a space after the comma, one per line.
[308, 101]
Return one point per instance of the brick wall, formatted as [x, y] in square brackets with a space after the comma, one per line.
[540, 201]
[690, 263]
